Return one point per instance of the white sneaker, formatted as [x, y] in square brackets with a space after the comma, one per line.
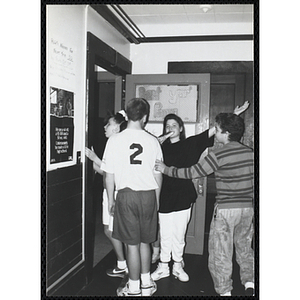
[162, 271]
[226, 294]
[179, 273]
[149, 290]
[125, 291]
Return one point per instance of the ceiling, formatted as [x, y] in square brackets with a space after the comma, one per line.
[163, 23]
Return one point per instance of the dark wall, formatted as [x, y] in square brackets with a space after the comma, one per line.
[63, 221]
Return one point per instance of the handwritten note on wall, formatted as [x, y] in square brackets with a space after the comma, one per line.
[62, 60]
[165, 99]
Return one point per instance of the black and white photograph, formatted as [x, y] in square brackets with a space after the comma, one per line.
[150, 117]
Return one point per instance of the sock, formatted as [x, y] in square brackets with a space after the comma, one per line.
[177, 265]
[145, 278]
[249, 285]
[121, 264]
[155, 250]
[134, 285]
[164, 264]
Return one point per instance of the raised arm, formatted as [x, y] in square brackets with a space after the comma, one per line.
[237, 111]
[240, 109]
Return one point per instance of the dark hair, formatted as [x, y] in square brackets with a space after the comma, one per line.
[137, 108]
[180, 123]
[233, 124]
[118, 118]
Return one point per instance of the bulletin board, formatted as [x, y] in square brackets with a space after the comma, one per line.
[185, 95]
[164, 99]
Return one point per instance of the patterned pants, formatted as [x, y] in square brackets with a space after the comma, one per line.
[230, 227]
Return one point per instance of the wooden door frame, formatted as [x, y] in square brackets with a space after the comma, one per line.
[101, 54]
[212, 67]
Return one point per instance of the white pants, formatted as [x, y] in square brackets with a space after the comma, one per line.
[172, 234]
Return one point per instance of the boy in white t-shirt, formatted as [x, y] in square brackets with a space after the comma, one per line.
[115, 124]
[129, 160]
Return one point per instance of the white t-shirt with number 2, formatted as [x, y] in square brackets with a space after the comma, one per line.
[130, 155]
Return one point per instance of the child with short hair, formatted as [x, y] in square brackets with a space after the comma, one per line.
[233, 165]
[177, 196]
[128, 161]
[115, 124]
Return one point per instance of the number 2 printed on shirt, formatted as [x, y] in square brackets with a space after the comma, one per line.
[133, 156]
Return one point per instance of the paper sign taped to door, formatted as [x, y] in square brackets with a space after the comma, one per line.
[180, 100]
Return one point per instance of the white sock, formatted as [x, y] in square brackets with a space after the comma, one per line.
[249, 285]
[134, 285]
[165, 265]
[121, 264]
[145, 278]
[177, 265]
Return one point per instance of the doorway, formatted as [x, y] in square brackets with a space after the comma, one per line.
[180, 85]
[231, 84]
[106, 70]
[104, 105]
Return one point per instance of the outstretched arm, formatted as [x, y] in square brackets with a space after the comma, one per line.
[203, 168]
[95, 159]
[237, 111]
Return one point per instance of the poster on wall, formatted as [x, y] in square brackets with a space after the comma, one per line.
[166, 99]
[61, 125]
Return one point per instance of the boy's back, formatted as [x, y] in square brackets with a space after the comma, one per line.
[130, 156]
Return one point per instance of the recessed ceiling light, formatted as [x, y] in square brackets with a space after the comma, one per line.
[205, 7]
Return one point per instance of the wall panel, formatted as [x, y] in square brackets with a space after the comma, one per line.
[64, 221]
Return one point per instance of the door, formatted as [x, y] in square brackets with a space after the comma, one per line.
[100, 58]
[152, 85]
[226, 92]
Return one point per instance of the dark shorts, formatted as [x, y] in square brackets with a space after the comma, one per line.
[135, 217]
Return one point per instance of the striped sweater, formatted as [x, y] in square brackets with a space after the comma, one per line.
[233, 166]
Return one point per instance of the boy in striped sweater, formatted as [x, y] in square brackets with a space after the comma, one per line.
[233, 165]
